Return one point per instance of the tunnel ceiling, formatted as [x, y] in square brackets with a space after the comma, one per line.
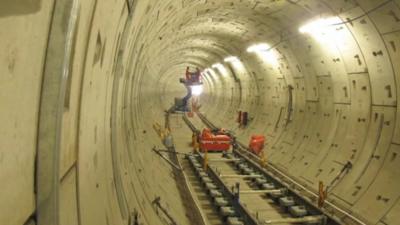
[225, 28]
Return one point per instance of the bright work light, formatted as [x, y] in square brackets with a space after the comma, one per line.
[197, 90]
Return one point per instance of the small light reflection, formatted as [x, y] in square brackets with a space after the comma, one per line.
[265, 52]
[324, 30]
[236, 63]
[221, 68]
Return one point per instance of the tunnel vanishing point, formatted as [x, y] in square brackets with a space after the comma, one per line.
[82, 83]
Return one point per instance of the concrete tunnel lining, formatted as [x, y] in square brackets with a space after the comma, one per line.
[125, 66]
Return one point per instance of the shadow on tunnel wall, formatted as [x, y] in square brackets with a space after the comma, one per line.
[18, 7]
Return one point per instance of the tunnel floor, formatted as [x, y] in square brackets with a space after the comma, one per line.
[209, 200]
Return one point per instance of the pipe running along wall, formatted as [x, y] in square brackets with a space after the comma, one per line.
[82, 82]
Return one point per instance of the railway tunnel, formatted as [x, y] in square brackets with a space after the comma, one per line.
[84, 81]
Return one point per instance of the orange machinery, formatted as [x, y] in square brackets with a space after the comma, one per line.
[212, 142]
[256, 144]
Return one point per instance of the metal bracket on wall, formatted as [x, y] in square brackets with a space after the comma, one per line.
[134, 218]
[157, 203]
[158, 152]
[345, 170]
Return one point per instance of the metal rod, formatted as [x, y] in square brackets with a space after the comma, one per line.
[238, 176]
[224, 160]
[260, 191]
[166, 159]
[306, 219]
[173, 152]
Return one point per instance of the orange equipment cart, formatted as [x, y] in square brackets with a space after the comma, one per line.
[211, 142]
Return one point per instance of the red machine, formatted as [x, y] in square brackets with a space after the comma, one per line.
[211, 142]
[256, 144]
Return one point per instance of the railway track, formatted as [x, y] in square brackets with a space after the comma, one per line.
[203, 200]
[204, 204]
[234, 191]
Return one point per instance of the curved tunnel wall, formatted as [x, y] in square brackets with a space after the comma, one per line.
[89, 78]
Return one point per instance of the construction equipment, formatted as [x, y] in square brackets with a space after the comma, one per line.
[193, 85]
[210, 142]
[181, 104]
[256, 144]
[193, 78]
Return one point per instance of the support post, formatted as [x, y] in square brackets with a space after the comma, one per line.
[263, 161]
[195, 143]
[205, 161]
[322, 194]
